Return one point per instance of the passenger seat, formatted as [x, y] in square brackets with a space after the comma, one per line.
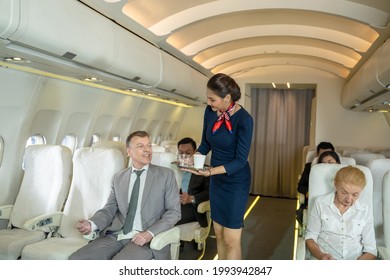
[94, 169]
[44, 188]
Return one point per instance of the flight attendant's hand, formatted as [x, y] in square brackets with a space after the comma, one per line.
[199, 172]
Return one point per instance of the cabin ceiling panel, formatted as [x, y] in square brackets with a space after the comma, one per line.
[334, 35]
[278, 22]
[375, 13]
[249, 63]
[347, 59]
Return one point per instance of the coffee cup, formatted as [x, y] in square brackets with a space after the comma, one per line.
[199, 161]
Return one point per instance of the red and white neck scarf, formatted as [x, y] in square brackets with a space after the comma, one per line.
[224, 117]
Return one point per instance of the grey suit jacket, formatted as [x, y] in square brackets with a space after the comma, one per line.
[160, 208]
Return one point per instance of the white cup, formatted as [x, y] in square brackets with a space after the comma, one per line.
[199, 161]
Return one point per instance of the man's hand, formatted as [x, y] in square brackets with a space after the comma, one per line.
[142, 238]
[84, 227]
[185, 198]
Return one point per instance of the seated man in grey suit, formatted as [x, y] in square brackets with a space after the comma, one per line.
[127, 227]
[194, 188]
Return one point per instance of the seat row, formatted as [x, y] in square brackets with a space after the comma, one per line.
[56, 191]
[361, 156]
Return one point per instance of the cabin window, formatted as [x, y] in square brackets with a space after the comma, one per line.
[95, 138]
[1, 149]
[116, 137]
[70, 141]
[36, 139]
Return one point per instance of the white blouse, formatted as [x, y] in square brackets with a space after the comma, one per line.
[344, 236]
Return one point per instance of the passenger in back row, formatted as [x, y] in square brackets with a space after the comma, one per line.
[194, 188]
[339, 225]
[329, 157]
[303, 184]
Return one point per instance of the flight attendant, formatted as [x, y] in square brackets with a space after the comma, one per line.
[227, 133]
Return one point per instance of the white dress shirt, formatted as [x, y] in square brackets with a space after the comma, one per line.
[137, 225]
[343, 236]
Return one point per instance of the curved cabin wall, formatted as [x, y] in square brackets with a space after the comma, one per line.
[31, 104]
[68, 35]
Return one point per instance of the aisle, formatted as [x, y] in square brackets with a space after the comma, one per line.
[268, 232]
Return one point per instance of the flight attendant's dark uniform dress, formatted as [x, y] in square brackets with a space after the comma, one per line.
[229, 192]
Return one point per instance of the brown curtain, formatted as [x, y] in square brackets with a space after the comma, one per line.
[281, 130]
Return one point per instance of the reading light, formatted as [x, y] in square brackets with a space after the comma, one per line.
[16, 60]
[92, 79]
[288, 85]
[273, 84]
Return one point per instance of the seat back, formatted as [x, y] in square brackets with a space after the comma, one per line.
[93, 170]
[172, 149]
[321, 182]
[386, 209]
[378, 168]
[347, 161]
[170, 146]
[310, 156]
[165, 159]
[45, 184]
[306, 149]
[348, 151]
[113, 145]
[364, 158]
[157, 148]
[168, 142]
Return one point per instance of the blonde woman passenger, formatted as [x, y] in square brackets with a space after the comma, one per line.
[340, 227]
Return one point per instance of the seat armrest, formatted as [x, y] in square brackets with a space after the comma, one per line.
[44, 222]
[384, 253]
[5, 212]
[165, 238]
[203, 206]
[300, 253]
[305, 217]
